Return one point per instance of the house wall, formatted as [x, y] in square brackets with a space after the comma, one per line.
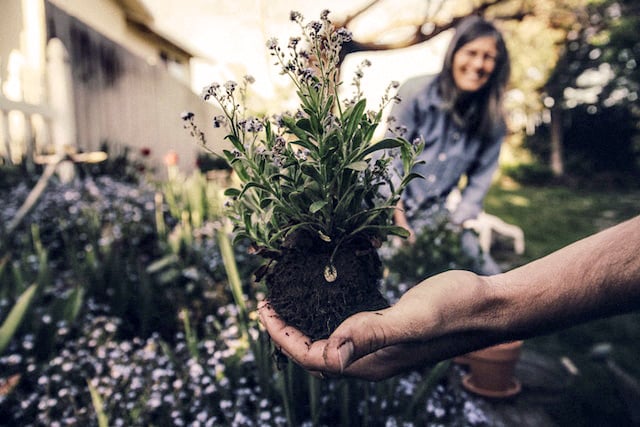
[108, 18]
[24, 117]
[121, 99]
[11, 23]
[118, 96]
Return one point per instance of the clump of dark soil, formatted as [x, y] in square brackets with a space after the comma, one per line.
[302, 297]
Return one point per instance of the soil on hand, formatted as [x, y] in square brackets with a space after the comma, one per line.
[302, 297]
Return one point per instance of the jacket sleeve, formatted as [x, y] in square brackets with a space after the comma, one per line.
[479, 178]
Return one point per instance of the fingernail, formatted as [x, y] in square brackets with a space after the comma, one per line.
[345, 351]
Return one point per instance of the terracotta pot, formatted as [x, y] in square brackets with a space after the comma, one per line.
[491, 370]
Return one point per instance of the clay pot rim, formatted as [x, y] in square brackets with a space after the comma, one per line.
[514, 388]
[504, 351]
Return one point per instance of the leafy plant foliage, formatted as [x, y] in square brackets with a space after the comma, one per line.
[315, 169]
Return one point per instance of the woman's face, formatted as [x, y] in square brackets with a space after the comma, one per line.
[474, 62]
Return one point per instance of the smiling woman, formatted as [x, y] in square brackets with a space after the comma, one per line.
[459, 115]
[474, 63]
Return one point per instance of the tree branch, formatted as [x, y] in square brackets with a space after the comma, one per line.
[418, 35]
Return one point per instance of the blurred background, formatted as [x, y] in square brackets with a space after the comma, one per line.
[122, 301]
[133, 66]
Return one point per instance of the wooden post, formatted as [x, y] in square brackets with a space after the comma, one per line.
[60, 89]
[63, 127]
[4, 134]
[557, 162]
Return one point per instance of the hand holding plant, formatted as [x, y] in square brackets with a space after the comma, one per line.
[312, 181]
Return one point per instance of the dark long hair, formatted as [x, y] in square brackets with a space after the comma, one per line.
[482, 112]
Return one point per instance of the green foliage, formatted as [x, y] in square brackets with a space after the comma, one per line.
[613, 32]
[98, 406]
[11, 175]
[316, 169]
[12, 322]
[594, 89]
[218, 365]
[528, 173]
[553, 217]
[115, 243]
[208, 370]
[437, 248]
[600, 147]
[47, 306]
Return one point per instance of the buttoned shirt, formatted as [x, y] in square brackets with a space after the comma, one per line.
[449, 153]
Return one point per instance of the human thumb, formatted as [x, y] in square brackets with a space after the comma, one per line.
[345, 354]
[357, 336]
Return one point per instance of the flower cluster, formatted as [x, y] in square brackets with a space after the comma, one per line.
[150, 382]
[74, 215]
[317, 169]
[437, 248]
[103, 237]
[140, 381]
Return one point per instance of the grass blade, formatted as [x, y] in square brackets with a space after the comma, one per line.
[13, 320]
[98, 406]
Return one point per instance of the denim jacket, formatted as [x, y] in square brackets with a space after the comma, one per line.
[449, 153]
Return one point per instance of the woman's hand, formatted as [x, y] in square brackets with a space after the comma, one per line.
[400, 219]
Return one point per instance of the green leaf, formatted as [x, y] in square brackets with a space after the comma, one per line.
[266, 202]
[308, 145]
[384, 229]
[299, 132]
[251, 185]
[277, 176]
[410, 177]
[98, 406]
[13, 320]
[74, 304]
[397, 231]
[316, 206]
[162, 263]
[236, 142]
[323, 236]
[369, 130]
[296, 196]
[311, 171]
[330, 148]
[353, 117]
[232, 192]
[228, 155]
[385, 144]
[239, 168]
[305, 125]
[358, 166]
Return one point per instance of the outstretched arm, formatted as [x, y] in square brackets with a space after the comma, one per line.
[457, 311]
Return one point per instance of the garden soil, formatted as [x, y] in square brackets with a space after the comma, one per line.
[298, 291]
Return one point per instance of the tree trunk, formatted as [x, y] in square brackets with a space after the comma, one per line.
[556, 158]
